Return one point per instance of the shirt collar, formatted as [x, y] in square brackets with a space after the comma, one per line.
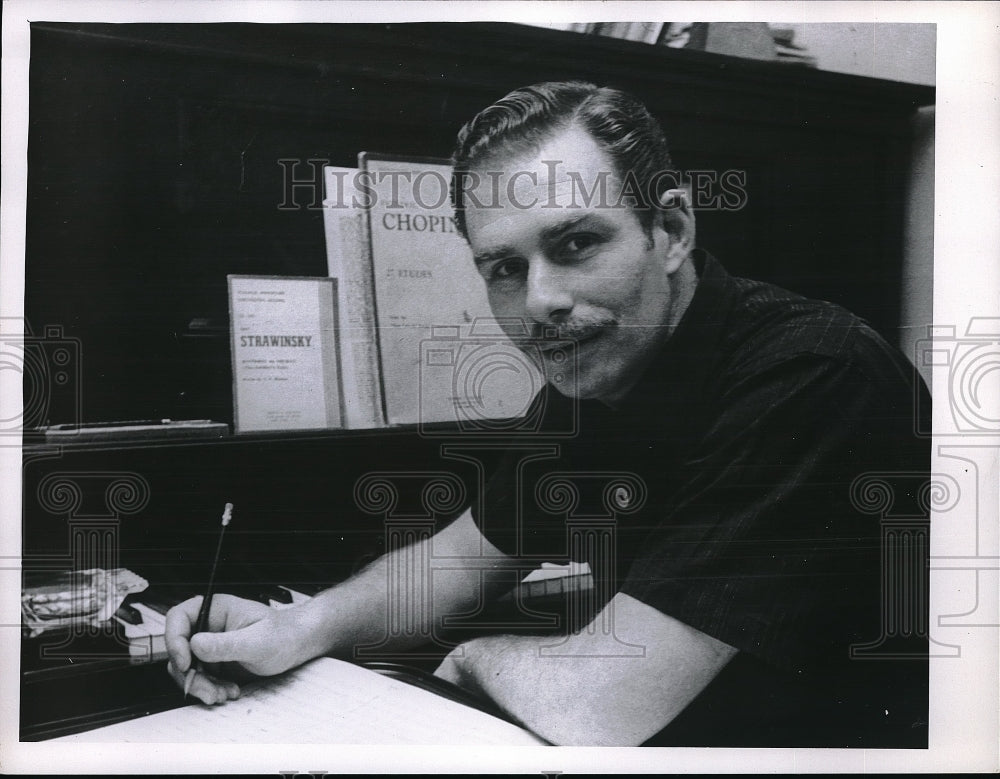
[681, 367]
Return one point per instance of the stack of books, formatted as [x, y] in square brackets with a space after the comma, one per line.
[787, 50]
[752, 40]
[418, 342]
[400, 331]
[644, 32]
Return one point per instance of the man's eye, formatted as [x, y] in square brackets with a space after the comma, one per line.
[506, 269]
[579, 242]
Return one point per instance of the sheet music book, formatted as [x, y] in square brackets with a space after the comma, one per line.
[325, 701]
[286, 372]
[444, 357]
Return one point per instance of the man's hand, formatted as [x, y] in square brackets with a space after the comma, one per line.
[247, 638]
[243, 636]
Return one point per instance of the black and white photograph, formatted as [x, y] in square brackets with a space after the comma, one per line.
[525, 387]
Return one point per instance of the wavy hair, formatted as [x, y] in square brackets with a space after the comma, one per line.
[620, 124]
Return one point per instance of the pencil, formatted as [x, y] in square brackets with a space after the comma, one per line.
[206, 604]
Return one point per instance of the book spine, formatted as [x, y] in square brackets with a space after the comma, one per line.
[137, 432]
[360, 321]
[349, 261]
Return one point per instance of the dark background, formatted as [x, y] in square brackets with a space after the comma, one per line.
[154, 171]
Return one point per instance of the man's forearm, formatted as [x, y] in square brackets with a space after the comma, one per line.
[363, 609]
[594, 687]
[344, 616]
[563, 698]
[395, 601]
[546, 694]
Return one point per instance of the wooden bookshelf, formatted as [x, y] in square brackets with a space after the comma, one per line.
[158, 162]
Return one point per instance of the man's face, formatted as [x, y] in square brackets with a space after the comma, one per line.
[591, 271]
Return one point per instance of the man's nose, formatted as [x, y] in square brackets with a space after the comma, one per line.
[549, 297]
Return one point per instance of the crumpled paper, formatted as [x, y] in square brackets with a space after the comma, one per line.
[72, 598]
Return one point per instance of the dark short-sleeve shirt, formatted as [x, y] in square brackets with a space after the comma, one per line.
[732, 489]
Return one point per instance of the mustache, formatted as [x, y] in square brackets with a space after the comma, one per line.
[572, 331]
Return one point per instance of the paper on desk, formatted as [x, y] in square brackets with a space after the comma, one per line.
[326, 701]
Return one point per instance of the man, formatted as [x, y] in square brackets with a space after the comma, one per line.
[739, 572]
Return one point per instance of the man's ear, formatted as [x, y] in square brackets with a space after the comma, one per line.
[678, 223]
